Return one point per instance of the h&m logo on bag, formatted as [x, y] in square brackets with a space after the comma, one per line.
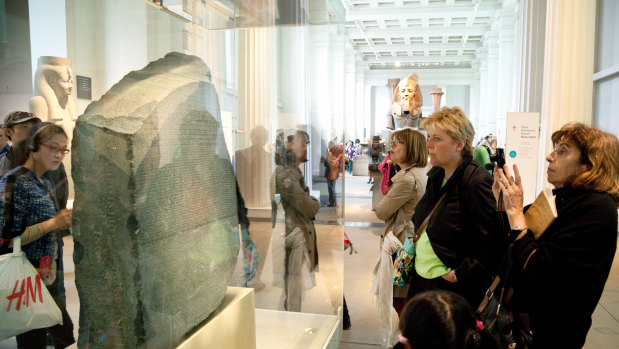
[25, 290]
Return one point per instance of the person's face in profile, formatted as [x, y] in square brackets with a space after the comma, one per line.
[19, 132]
[299, 147]
[63, 86]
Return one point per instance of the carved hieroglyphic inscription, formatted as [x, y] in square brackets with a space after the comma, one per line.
[155, 221]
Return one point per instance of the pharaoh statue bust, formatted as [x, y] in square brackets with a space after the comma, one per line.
[53, 84]
[406, 105]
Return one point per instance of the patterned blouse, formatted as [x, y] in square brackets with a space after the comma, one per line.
[32, 203]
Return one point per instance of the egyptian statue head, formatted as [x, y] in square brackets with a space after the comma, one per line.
[53, 85]
[409, 95]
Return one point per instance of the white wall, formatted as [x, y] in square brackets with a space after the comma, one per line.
[458, 95]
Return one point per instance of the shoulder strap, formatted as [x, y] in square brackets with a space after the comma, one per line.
[421, 229]
[488, 149]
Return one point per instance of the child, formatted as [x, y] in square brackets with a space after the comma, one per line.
[441, 320]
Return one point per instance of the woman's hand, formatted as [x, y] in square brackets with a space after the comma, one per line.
[62, 220]
[512, 194]
[450, 276]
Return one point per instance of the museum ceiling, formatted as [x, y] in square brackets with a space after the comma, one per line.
[419, 34]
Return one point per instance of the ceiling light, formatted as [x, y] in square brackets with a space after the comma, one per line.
[397, 64]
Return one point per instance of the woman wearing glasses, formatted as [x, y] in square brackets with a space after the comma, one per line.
[455, 250]
[34, 216]
[408, 151]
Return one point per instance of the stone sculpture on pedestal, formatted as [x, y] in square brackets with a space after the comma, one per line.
[53, 85]
[436, 94]
[406, 106]
[155, 218]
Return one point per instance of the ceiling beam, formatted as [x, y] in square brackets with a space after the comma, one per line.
[356, 33]
[445, 11]
[420, 59]
[418, 47]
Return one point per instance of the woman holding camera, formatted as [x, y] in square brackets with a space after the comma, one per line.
[454, 251]
[561, 274]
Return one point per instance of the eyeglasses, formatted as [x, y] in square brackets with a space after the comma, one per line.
[54, 149]
[396, 142]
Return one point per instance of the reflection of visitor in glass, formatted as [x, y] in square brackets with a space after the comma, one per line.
[35, 217]
[300, 208]
[17, 127]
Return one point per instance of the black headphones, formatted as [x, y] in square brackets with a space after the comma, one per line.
[32, 146]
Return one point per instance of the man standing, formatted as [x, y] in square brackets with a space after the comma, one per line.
[17, 127]
[300, 209]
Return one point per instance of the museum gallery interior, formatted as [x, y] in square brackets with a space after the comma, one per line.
[192, 127]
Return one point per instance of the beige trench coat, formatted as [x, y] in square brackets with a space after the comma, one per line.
[398, 205]
[299, 207]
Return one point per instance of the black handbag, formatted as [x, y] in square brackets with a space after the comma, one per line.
[497, 319]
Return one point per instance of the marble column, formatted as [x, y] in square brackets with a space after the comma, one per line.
[506, 70]
[493, 84]
[474, 97]
[480, 128]
[530, 58]
[257, 104]
[568, 68]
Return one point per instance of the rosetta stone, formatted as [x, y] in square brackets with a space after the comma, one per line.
[154, 218]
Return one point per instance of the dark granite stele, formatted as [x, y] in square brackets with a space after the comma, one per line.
[154, 222]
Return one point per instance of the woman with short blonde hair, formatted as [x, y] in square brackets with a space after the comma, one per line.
[454, 122]
[458, 248]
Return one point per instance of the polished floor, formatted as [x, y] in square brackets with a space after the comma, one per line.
[363, 229]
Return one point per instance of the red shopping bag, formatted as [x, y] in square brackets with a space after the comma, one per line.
[25, 302]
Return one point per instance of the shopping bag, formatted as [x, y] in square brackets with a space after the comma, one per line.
[25, 302]
[403, 263]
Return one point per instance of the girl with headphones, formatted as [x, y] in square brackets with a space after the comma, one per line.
[28, 208]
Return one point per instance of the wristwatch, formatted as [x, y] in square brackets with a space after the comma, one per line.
[516, 230]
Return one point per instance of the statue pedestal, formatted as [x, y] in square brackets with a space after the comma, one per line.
[360, 167]
[232, 325]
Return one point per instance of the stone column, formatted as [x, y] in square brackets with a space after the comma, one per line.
[257, 104]
[480, 128]
[493, 84]
[474, 97]
[530, 58]
[506, 70]
[437, 94]
[568, 68]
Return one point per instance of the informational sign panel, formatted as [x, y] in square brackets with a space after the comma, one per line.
[84, 87]
[522, 149]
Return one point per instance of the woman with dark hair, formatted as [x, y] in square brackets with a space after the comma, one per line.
[34, 216]
[442, 320]
[568, 264]
[459, 246]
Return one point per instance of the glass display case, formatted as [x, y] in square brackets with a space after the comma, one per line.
[206, 151]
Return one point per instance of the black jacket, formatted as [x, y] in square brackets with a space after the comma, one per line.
[464, 229]
[564, 278]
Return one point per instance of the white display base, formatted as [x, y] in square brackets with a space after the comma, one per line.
[232, 325]
[360, 167]
[286, 330]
